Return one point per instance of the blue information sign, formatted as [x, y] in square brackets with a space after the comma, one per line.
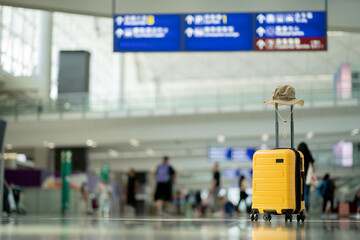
[276, 31]
[146, 32]
[218, 32]
[221, 154]
[291, 24]
[271, 31]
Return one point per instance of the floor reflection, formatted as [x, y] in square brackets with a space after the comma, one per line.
[158, 229]
[278, 231]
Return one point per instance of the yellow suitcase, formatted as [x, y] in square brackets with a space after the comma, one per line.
[278, 182]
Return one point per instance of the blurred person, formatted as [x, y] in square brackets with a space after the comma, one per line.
[179, 202]
[105, 195]
[357, 200]
[198, 204]
[94, 202]
[16, 191]
[131, 187]
[84, 198]
[326, 190]
[243, 185]
[330, 193]
[165, 177]
[6, 205]
[229, 207]
[308, 160]
[215, 187]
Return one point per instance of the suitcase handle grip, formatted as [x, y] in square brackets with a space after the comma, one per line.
[277, 126]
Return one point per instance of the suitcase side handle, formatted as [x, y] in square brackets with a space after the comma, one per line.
[303, 186]
[277, 126]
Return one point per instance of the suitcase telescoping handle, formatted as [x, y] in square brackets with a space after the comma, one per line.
[277, 126]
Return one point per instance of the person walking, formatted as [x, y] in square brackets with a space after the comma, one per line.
[215, 187]
[243, 185]
[131, 190]
[84, 198]
[326, 190]
[357, 201]
[6, 204]
[308, 162]
[105, 191]
[165, 177]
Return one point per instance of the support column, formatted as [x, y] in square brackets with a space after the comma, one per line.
[66, 161]
[2, 151]
[120, 74]
[45, 48]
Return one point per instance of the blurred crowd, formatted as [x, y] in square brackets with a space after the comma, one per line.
[170, 199]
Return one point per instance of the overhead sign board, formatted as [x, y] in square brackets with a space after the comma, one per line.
[298, 31]
[276, 31]
[218, 32]
[223, 154]
[146, 33]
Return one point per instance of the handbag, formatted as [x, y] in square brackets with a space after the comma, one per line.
[311, 177]
[11, 200]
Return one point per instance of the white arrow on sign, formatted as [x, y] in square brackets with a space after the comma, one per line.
[189, 32]
[189, 19]
[261, 18]
[260, 31]
[261, 44]
[119, 20]
[119, 32]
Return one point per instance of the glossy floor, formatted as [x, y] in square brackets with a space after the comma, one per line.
[176, 228]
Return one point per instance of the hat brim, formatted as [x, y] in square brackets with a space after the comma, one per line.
[300, 102]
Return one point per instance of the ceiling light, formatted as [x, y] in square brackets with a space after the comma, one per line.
[113, 153]
[51, 145]
[221, 138]
[354, 132]
[21, 158]
[89, 142]
[9, 146]
[149, 152]
[335, 33]
[67, 105]
[133, 142]
[310, 135]
[265, 137]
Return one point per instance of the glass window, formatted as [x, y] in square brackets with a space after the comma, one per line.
[87, 33]
[20, 40]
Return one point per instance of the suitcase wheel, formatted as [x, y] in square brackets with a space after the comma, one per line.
[301, 217]
[288, 216]
[267, 217]
[254, 217]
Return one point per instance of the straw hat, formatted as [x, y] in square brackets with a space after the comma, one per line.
[284, 95]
